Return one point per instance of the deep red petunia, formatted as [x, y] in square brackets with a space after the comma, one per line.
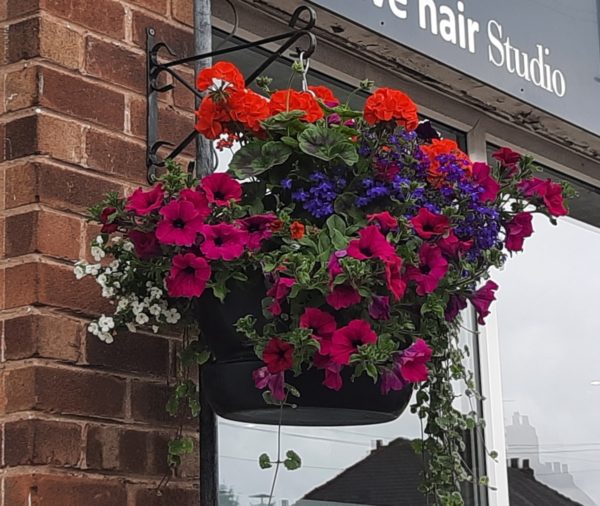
[258, 228]
[279, 291]
[428, 224]
[188, 276]
[413, 362]
[488, 186]
[143, 203]
[481, 300]
[379, 308]
[455, 305]
[432, 268]
[108, 226]
[198, 199]
[278, 355]
[333, 266]
[145, 244]
[343, 296]
[508, 158]
[393, 277]
[180, 223]
[517, 230]
[346, 340]
[322, 325]
[391, 379]
[385, 221]
[223, 241]
[550, 192]
[220, 188]
[452, 246]
[372, 244]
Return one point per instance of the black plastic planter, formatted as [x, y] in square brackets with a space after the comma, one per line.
[230, 388]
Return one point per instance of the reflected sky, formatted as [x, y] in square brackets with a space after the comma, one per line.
[549, 330]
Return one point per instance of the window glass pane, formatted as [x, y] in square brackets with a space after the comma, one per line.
[548, 331]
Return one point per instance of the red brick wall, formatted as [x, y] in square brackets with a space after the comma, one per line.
[83, 423]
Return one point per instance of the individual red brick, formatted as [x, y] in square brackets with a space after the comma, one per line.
[18, 8]
[79, 98]
[168, 497]
[35, 442]
[63, 490]
[183, 11]
[54, 228]
[23, 40]
[20, 184]
[20, 285]
[130, 352]
[148, 402]
[21, 89]
[159, 6]
[116, 155]
[126, 450]
[180, 40]
[42, 335]
[115, 64]
[20, 137]
[64, 391]
[20, 233]
[102, 16]
[61, 44]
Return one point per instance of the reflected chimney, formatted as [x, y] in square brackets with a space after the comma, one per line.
[514, 463]
[516, 418]
[565, 468]
[556, 467]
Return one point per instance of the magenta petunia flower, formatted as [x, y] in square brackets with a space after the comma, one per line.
[372, 244]
[278, 355]
[222, 241]
[432, 268]
[489, 187]
[274, 382]
[333, 378]
[346, 340]
[413, 362]
[343, 296]
[393, 277]
[379, 308]
[385, 221]
[198, 199]
[550, 192]
[143, 203]
[258, 229]
[145, 244]
[188, 276]
[220, 188]
[455, 305]
[481, 300]
[452, 246]
[428, 224]
[180, 223]
[333, 266]
[508, 158]
[322, 325]
[279, 291]
[391, 379]
[108, 227]
[517, 230]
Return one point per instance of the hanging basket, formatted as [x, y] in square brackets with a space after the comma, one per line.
[227, 382]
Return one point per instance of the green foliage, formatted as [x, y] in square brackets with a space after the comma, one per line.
[257, 157]
[327, 144]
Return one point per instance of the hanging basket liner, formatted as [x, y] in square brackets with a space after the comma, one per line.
[229, 387]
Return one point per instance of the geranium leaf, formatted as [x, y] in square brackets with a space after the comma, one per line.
[264, 461]
[284, 121]
[258, 157]
[327, 144]
[293, 460]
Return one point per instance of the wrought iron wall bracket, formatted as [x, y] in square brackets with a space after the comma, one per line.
[299, 29]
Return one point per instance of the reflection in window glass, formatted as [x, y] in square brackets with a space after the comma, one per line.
[548, 330]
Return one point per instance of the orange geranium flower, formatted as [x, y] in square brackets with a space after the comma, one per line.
[210, 117]
[297, 230]
[391, 105]
[439, 147]
[249, 108]
[292, 100]
[223, 70]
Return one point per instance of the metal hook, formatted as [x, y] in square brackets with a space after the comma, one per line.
[312, 18]
[305, 66]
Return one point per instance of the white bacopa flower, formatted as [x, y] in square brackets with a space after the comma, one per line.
[116, 284]
[142, 318]
[106, 323]
[155, 328]
[107, 337]
[172, 316]
[102, 279]
[79, 272]
[93, 328]
[127, 246]
[155, 310]
[98, 253]
[114, 264]
[130, 326]
[99, 240]
[108, 292]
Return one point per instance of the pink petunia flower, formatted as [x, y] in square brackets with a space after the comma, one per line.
[279, 291]
[180, 223]
[222, 241]
[488, 185]
[432, 268]
[143, 203]
[550, 192]
[391, 379]
[108, 227]
[278, 355]
[322, 325]
[220, 188]
[372, 244]
[274, 382]
[258, 229]
[413, 362]
[346, 340]
[145, 244]
[393, 277]
[343, 296]
[188, 276]
[452, 246]
[333, 266]
[379, 308]
[385, 221]
[517, 230]
[428, 224]
[198, 199]
[481, 300]
[508, 159]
